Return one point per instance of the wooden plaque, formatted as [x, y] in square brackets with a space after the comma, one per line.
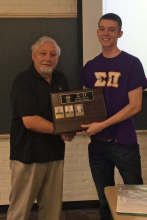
[73, 108]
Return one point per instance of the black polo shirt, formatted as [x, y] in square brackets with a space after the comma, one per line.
[30, 95]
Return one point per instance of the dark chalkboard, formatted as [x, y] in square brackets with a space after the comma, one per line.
[16, 38]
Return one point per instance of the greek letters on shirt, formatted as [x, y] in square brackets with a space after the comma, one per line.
[112, 79]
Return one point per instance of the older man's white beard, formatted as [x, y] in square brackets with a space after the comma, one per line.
[46, 70]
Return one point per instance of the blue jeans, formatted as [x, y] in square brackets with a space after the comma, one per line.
[103, 157]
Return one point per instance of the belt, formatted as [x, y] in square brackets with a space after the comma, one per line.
[103, 140]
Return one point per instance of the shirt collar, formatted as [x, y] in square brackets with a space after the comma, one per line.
[36, 74]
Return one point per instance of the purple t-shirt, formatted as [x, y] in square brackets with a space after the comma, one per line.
[117, 76]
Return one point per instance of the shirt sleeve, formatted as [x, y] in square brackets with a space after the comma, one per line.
[23, 99]
[137, 76]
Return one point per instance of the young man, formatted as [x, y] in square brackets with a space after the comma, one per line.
[114, 141]
[37, 154]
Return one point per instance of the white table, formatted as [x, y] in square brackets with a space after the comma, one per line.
[111, 195]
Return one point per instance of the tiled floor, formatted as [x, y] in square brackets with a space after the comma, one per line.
[68, 215]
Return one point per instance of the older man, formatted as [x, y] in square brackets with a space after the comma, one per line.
[36, 154]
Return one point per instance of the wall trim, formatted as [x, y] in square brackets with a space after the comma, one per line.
[38, 15]
[74, 205]
[141, 132]
[5, 136]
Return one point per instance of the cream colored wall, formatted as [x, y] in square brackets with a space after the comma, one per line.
[38, 6]
[78, 183]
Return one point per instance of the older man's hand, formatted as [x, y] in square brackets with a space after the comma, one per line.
[68, 136]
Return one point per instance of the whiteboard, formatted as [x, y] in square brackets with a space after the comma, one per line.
[134, 26]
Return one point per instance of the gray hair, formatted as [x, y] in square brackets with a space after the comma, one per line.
[42, 40]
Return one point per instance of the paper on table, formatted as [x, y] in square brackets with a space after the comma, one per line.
[132, 200]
